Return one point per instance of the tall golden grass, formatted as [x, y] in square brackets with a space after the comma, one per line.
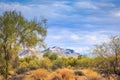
[63, 74]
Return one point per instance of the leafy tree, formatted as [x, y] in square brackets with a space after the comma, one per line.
[16, 33]
[110, 52]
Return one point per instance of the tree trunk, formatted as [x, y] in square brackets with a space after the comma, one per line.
[6, 63]
[116, 62]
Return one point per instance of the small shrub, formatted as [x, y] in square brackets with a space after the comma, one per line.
[40, 74]
[62, 74]
[22, 70]
[45, 63]
[79, 73]
[58, 63]
[53, 56]
[91, 75]
[55, 76]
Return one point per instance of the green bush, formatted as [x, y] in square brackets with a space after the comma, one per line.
[58, 63]
[45, 63]
[53, 56]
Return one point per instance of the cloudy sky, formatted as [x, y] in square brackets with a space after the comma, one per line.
[74, 24]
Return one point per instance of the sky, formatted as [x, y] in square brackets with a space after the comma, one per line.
[73, 24]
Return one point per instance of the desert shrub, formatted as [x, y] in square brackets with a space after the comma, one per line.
[91, 75]
[58, 63]
[78, 72]
[28, 61]
[47, 54]
[33, 64]
[53, 56]
[11, 72]
[54, 76]
[62, 74]
[84, 62]
[22, 70]
[23, 65]
[73, 62]
[45, 63]
[40, 74]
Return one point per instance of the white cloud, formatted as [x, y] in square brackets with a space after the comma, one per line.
[116, 13]
[94, 5]
[51, 11]
[74, 37]
[80, 41]
[96, 38]
[58, 37]
[86, 5]
[14, 6]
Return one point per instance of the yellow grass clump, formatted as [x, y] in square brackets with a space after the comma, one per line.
[11, 72]
[40, 74]
[28, 78]
[1, 77]
[92, 75]
[62, 74]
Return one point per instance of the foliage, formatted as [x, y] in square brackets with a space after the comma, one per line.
[59, 63]
[40, 74]
[91, 75]
[45, 63]
[15, 33]
[109, 53]
[53, 56]
[46, 54]
[62, 74]
[28, 62]
[73, 62]
[85, 62]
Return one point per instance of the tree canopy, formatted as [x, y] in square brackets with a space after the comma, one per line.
[17, 33]
[110, 54]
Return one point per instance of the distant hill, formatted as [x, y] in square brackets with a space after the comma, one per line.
[60, 51]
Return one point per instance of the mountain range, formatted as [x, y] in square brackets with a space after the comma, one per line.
[57, 50]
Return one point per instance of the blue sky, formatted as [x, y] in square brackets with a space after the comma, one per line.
[74, 24]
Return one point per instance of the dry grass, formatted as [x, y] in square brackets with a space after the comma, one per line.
[40, 74]
[92, 75]
[62, 74]
[28, 78]
[1, 77]
[11, 72]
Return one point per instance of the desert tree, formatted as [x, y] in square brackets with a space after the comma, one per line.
[110, 53]
[16, 33]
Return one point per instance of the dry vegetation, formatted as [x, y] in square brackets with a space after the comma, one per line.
[60, 74]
